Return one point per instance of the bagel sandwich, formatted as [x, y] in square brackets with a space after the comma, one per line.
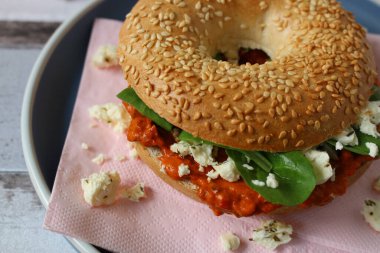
[251, 106]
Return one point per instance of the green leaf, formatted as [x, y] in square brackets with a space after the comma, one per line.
[293, 172]
[376, 93]
[129, 95]
[257, 157]
[361, 148]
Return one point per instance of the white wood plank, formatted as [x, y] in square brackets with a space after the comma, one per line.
[39, 10]
[15, 65]
[21, 219]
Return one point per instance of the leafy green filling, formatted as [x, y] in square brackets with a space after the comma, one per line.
[129, 95]
[293, 170]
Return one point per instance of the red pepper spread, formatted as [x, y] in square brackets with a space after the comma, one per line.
[233, 197]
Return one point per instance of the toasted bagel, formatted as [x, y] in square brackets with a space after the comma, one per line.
[315, 85]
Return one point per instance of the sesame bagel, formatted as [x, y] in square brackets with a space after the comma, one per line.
[318, 80]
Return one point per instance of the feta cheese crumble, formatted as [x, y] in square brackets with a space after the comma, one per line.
[227, 170]
[248, 167]
[338, 146]
[106, 56]
[347, 137]
[99, 159]
[134, 193]
[272, 234]
[376, 184]
[258, 182]
[272, 181]
[84, 146]
[133, 153]
[229, 241]
[320, 161]
[371, 213]
[101, 188]
[202, 153]
[183, 170]
[112, 114]
[120, 158]
[370, 118]
[373, 149]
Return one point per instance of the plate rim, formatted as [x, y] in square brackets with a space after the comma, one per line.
[28, 102]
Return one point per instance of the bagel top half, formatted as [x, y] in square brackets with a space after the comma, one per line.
[315, 85]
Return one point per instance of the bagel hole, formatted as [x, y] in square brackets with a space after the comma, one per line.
[246, 55]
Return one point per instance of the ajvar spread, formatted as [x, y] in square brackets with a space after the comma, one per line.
[233, 197]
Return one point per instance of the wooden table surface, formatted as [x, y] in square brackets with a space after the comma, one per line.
[25, 25]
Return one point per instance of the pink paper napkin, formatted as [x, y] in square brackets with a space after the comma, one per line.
[167, 221]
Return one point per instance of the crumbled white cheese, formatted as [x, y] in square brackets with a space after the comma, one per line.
[120, 158]
[230, 241]
[182, 148]
[371, 213]
[320, 161]
[112, 114]
[133, 153]
[202, 153]
[347, 137]
[212, 174]
[134, 193]
[248, 167]
[101, 188]
[227, 170]
[183, 170]
[271, 181]
[370, 118]
[373, 149]
[376, 184]
[84, 146]
[106, 56]
[99, 159]
[272, 234]
[258, 182]
[201, 169]
[163, 169]
[338, 146]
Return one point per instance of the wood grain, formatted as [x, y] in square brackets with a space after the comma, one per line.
[21, 218]
[15, 66]
[25, 34]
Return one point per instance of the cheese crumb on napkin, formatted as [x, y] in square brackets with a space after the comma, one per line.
[376, 184]
[230, 241]
[111, 114]
[371, 213]
[106, 57]
[272, 234]
[99, 159]
[134, 193]
[101, 188]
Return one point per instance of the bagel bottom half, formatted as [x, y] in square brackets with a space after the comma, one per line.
[149, 157]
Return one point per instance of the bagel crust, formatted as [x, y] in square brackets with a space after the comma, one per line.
[318, 80]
